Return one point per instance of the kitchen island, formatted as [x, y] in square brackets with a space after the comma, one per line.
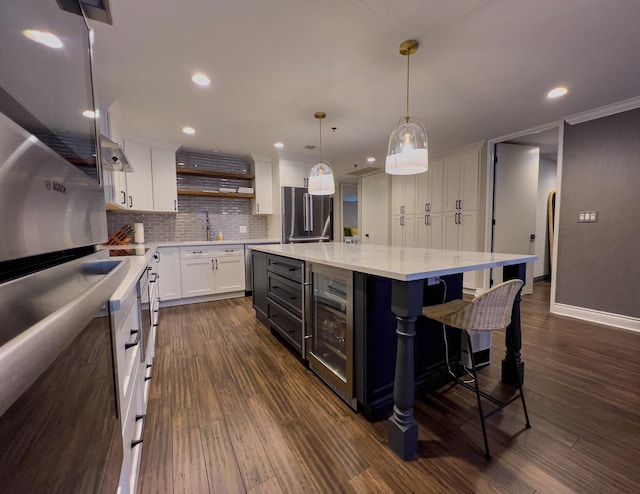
[409, 273]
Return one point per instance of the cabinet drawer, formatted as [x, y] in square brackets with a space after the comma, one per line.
[289, 268]
[228, 250]
[286, 324]
[196, 252]
[286, 292]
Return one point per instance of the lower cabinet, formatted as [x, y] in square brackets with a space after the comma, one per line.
[209, 270]
[170, 280]
[280, 292]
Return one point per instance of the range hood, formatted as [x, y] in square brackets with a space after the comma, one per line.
[113, 157]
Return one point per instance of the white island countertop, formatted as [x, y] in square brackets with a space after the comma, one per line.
[398, 263]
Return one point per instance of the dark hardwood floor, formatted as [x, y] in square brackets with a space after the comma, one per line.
[232, 411]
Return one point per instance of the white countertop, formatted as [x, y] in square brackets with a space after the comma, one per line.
[399, 263]
[137, 263]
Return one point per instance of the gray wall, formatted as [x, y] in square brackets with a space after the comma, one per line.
[225, 214]
[598, 263]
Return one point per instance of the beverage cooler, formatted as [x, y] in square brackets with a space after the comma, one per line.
[329, 338]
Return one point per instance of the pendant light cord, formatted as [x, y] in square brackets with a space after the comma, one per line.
[320, 122]
[407, 114]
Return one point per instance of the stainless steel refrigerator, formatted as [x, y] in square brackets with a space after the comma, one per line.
[306, 218]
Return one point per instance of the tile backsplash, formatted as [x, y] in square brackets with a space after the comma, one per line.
[189, 223]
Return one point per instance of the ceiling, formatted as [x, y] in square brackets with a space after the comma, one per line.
[482, 70]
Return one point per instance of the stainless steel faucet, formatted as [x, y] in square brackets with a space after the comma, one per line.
[208, 226]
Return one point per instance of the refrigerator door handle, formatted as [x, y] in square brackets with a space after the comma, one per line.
[305, 211]
[310, 212]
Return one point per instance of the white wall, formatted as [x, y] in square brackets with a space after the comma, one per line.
[547, 181]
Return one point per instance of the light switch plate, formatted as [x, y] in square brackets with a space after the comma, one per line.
[243, 229]
[587, 216]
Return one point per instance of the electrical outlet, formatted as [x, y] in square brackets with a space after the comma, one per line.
[243, 229]
[434, 280]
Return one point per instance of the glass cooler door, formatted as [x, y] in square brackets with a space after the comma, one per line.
[330, 352]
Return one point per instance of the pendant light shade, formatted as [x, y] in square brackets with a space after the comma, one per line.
[321, 181]
[408, 153]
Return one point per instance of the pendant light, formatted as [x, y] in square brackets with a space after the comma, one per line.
[408, 147]
[321, 177]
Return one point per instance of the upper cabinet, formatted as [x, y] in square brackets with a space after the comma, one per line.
[139, 182]
[165, 190]
[461, 182]
[293, 174]
[263, 187]
[403, 194]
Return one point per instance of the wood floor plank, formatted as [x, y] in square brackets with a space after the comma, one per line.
[155, 477]
[222, 468]
[369, 482]
[233, 410]
[189, 469]
[270, 486]
[252, 459]
[292, 475]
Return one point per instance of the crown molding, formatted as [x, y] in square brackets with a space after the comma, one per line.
[604, 111]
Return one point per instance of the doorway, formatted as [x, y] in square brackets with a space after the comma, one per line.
[349, 194]
[522, 179]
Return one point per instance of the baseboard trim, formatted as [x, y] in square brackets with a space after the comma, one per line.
[606, 318]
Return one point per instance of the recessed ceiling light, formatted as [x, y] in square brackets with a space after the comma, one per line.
[556, 92]
[91, 113]
[48, 39]
[189, 130]
[370, 159]
[278, 145]
[200, 79]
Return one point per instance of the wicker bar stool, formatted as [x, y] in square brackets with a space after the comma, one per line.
[486, 312]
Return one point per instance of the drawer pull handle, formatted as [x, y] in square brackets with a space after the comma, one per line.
[149, 376]
[135, 342]
[135, 442]
[293, 297]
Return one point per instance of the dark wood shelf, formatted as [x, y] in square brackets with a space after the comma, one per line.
[235, 195]
[206, 173]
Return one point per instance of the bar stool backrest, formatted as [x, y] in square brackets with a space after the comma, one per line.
[489, 310]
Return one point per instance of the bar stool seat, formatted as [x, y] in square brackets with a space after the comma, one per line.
[488, 311]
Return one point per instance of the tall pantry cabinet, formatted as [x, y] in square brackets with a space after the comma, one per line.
[443, 207]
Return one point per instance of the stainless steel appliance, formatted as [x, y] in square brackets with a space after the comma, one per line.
[305, 217]
[59, 424]
[329, 328]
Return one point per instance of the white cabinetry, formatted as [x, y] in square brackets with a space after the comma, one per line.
[263, 187]
[429, 207]
[403, 194]
[460, 204]
[139, 182]
[115, 189]
[170, 282]
[212, 270]
[403, 230]
[165, 189]
[293, 174]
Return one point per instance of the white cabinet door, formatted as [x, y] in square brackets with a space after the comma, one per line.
[165, 188]
[469, 181]
[429, 230]
[403, 194]
[115, 189]
[429, 185]
[263, 187]
[451, 187]
[139, 182]
[293, 174]
[403, 231]
[169, 272]
[397, 235]
[197, 277]
[229, 274]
